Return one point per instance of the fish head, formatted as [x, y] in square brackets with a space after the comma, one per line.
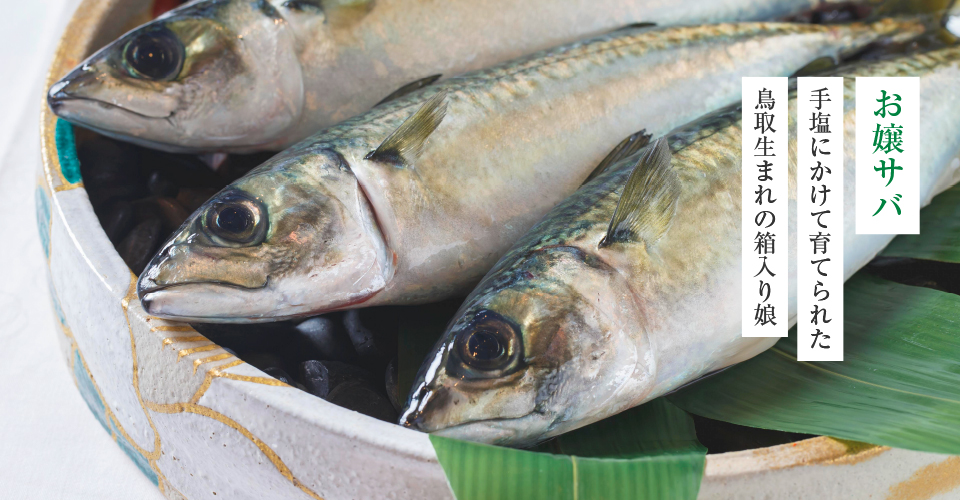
[295, 237]
[536, 350]
[208, 76]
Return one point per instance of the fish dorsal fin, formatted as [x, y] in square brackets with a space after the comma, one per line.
[816, 66]
[635, 142]
[405, 144]
[410, 87]
[649, 199]
[302, 5]
[328, 6]
[632, 26]
[335, 12]
[345, 4]
[346, 13]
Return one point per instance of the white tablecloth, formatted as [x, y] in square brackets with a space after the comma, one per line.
[51, 446]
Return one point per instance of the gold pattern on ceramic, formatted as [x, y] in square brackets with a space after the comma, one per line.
[928, 482]
[219, 417]
[189, 338]
[155, 453]
[192, 350]
[172, 328]
[210, 359]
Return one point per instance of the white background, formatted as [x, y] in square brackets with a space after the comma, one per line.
[51, 446]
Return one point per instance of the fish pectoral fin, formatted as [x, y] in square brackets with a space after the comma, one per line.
[410, 87]
[633, 26]
[627, 147]
[405, 144]
[649, 199]
[698, 379]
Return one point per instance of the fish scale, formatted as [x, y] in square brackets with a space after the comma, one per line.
[628, 322]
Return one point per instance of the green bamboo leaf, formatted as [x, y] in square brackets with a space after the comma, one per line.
[648, 452]
[899, 383]
[939, 237]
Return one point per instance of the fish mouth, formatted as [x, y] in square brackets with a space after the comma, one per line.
[201, 301]
[78, 110]
[196, 300]
[60, 102]
[490, 431]
[500, 430]
[143, 291]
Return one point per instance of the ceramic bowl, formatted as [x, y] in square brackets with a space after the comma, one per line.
[201, 423]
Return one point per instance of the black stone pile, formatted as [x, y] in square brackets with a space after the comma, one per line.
[347, 358]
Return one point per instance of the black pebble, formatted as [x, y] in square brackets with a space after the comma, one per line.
[168, 210]
[320, 378]
[237, 165]
[264, 361]
[347, 386]
[184, 171]
[118, 220]
[362, 397]
[109, 171]
[193, 198]
[360, 335]
[393, 388]
[373, 332]
[279, 374]
[327, 338]
[138, 247]
[159, 185]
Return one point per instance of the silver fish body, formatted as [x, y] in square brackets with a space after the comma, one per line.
[342, 222]
[564, 331]
[242, 75]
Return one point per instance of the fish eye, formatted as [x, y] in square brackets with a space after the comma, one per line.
[490, 346]
[482, 346]
[155, 54]
[236, 219]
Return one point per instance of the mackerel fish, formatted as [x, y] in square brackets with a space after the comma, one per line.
[566, 330]
[248, 75]
[415, 200]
